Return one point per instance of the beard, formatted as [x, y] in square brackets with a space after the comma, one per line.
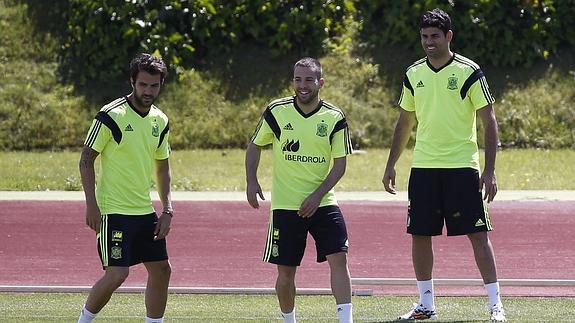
[140, 100]
[308, 98]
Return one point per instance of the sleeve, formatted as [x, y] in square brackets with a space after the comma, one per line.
[163, 150]
[98, 136]
[264, 134]
[340, 140]
[476, 88]
[407, 99]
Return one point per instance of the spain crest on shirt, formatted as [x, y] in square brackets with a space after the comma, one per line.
[321, 129]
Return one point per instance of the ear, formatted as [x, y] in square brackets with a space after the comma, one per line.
[321, 82]
[449, 35]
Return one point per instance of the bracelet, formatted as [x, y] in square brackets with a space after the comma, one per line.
[168, 212]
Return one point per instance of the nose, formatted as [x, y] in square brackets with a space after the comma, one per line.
[148, 90]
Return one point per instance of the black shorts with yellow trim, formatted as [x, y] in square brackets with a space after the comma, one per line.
[287, 235]
[446, 195]
[127, 240]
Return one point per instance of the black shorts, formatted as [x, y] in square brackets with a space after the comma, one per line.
[127, 240]
[287, 235]
[444, 194]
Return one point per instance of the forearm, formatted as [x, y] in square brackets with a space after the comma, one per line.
[401, 136]
[491, 139]
[332, 178]
[491, 136]
[252, 162]
[164, 180]
[88, 174]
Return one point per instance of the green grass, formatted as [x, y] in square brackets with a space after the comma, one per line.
[223, 170]
[28, 307]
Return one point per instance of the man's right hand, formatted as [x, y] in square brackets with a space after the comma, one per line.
[93, 217]
[388, 180]
[252, 191]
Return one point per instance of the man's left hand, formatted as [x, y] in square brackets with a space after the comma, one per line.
[309, 206]
[489, 182]
[163, 226]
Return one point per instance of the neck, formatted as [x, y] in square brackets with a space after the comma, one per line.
[308, 107]
[438, 62]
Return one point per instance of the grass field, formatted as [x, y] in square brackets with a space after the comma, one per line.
[28, 307]
[223, 170]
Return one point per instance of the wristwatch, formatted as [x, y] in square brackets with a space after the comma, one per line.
[168, 212]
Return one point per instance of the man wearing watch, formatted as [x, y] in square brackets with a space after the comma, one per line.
[131, 135]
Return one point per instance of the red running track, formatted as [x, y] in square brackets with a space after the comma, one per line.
[219, 244]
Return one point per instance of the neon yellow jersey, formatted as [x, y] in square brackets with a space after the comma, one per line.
[128, 143]
[303, 148]
[445, 102]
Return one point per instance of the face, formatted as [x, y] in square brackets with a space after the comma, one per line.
[435, 43]
[146, 88]
[306, 84]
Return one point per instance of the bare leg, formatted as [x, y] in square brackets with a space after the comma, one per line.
[105, 287]
[285, 287]
[157, 288]
[422, 256]
[340, 278]
[484, 256]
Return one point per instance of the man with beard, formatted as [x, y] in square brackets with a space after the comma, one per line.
[131, 134]
[443, 94]
[306, 133]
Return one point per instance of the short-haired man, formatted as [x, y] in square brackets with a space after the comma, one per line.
[306, 134]
[131, 135]
[443, 93]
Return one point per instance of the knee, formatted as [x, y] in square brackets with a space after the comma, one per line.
[337, 261]
[478, 238]
[161, 270]
[166, 270]
[286, 277]
[117, 276]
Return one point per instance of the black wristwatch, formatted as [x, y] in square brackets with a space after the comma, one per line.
[168, 212]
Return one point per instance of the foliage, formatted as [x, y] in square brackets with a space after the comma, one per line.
[107, 34]
[500, 33]
[207, 120]
[36, 112]
[218, 104]
[541, 114]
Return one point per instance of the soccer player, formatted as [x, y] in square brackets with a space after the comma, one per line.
[131, 135]
[307, 134]
[443, 93]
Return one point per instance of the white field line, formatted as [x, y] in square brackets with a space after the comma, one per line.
[300, 291]
[379, 196]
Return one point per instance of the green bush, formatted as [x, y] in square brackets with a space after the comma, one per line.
[540, 114]
[36, 112]
[200, 117]
[495, 32]
[100, 37]
[218, 105]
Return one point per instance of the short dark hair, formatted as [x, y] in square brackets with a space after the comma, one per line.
[311, 63]
[148, 63]
[436, 18]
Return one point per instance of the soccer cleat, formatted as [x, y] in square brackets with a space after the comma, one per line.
[419, 312]
[497, 313]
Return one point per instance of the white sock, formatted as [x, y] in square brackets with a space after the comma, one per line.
[86, 316]
[289, 317]
[151, 320]
[493, 293]
[425, 288]
[345, 313]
